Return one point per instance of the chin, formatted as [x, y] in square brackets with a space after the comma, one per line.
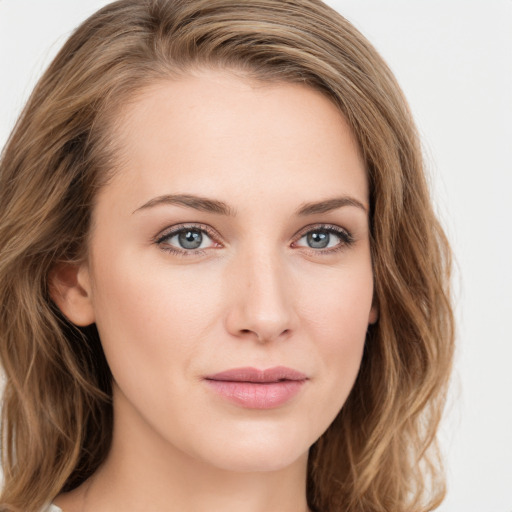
[258, 450]
[258, 461]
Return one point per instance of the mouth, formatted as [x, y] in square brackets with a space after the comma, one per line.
[257, 389]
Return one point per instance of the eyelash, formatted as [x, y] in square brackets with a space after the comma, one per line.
[346, 239]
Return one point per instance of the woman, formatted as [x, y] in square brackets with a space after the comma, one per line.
[223, 286]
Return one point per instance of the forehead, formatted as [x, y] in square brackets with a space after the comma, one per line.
[221, 133]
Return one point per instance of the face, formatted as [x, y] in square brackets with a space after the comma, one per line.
[229, 271]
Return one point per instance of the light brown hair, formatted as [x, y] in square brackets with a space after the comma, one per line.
[379, 454]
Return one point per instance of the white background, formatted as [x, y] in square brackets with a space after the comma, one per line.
[453, 59]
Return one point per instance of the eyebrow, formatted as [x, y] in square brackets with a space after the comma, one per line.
[190, 201]
[328, 205]
[221, 208]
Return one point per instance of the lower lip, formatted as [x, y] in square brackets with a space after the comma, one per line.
[256, 395]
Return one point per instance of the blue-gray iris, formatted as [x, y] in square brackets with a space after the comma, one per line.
[190, 239]
[318, 239]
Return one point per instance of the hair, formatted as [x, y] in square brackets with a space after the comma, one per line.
[380, 453]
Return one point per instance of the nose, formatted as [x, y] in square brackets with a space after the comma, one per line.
[261, 305]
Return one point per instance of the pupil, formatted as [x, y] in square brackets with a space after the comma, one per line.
[190, 239]
[318, 239]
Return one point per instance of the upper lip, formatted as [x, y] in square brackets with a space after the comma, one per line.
[249, 374]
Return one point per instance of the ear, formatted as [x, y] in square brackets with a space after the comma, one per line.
[70, 289]
[374, 314]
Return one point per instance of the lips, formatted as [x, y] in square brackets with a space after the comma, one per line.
[257, 389]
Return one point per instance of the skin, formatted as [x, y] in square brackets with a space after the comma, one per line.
[256, 294]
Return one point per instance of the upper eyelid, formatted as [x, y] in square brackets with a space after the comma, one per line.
[318, 226]
[173, 230]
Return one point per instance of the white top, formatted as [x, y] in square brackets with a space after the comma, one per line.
[51, 508]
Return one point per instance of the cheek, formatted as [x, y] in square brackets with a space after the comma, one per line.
[338, 306]
[153, 322]
[149, 318]
[337, 321]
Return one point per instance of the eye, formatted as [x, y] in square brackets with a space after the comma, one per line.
[329, 237]
[186, 240]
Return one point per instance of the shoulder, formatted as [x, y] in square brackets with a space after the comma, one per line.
[51, 508]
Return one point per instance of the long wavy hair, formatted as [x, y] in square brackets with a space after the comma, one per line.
[380, 453]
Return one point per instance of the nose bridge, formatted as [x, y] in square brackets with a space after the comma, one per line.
[261, 304]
